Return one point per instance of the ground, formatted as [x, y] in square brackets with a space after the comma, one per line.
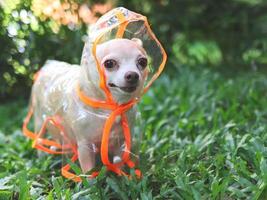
[204, 137]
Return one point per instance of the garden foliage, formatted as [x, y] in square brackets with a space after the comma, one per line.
[198, 34]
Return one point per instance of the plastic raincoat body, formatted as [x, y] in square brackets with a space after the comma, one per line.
[55, 94]
[76, 107]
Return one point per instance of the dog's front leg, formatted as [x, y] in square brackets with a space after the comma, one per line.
[86, 154]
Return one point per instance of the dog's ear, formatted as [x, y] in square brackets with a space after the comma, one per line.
[137, 41]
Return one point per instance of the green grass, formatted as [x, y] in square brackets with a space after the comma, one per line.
[205, 137]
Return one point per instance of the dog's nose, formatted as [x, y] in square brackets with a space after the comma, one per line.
[131, 77]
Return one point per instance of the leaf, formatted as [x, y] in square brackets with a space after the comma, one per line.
[116, 188]
[24, 193]
[4, 181]
[5, 195]
[57, 187]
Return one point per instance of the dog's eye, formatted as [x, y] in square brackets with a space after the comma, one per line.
[110, 64]
[142, 62]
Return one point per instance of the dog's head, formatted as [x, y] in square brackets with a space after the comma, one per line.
[124, 62]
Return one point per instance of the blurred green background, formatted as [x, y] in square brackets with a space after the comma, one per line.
[227, 36]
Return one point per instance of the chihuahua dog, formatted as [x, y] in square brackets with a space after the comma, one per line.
[54, 94]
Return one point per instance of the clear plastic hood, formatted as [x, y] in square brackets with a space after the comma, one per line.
[124, 24]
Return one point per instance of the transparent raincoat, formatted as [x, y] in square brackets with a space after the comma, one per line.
[75, 113]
